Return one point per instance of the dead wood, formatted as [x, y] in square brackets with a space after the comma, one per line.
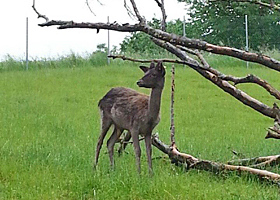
[164, 16]
[194, 163]
[271, 134]
[172, 126]
[274, 132]
[253, 79]
[257, 162]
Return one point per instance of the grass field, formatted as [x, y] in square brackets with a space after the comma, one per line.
[49, 125]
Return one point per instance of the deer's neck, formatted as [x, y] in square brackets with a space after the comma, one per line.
[154, 104]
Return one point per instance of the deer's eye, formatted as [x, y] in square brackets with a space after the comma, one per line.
[153, 75]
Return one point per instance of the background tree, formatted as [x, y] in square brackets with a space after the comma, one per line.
[223, 23]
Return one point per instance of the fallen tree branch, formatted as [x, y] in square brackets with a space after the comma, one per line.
[253, 79]
[274, 132]
[194, 163]
[271, 134]
[224, 85]
[257, 162]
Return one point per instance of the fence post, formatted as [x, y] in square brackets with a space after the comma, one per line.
[184, 27]
[247, 40]
[26, 53]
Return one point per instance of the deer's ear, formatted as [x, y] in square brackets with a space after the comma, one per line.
[152, 65]
[160, 66]
[144, 68]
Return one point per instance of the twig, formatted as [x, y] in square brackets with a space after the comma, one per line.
[163, 21]
[39, 15]
[129, 12]
[146, 60]
[90, 8]
[172, 126]
[271, 134]
[137, 13]
[196, 53]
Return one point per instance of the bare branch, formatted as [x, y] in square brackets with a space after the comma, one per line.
[129, 12]
[137, 13]
[100, 3]
[147, 60]
[272, 134]
[254, 79]
[163, 21]
[107, 26]
[196, 53]
[236, 80]
[90, 8]
[224, 85]
[172, 126]
[39, 15]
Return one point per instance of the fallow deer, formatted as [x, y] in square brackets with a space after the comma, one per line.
[138, 113]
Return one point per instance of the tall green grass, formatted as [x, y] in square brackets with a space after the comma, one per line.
[49, 125]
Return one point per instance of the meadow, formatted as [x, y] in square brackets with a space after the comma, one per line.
[49, 125]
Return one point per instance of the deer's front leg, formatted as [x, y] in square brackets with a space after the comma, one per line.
[111, 143]
[148, 142]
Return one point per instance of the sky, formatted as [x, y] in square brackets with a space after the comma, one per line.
[49, 42]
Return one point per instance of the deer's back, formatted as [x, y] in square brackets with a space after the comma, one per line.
[124, 106]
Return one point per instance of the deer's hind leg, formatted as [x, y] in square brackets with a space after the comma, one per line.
[106, 123]
[111, 143]
[124, 143]
[137, 149]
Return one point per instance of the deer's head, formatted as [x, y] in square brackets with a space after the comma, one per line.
[154, 76]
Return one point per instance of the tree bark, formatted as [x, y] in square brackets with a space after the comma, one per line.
[192, 162]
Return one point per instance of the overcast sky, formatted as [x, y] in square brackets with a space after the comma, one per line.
[49, 42]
